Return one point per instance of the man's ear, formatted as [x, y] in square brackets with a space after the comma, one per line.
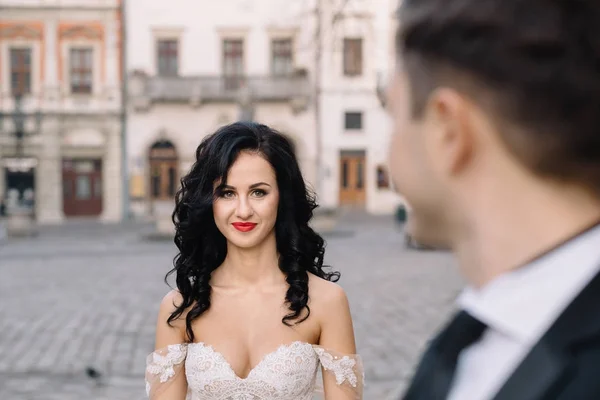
[450, 134]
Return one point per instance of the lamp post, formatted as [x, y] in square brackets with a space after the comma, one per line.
[245, 102]
[20, 211]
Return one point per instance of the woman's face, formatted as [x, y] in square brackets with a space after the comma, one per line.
[246, 210]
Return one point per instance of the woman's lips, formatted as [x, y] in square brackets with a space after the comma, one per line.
[244, 226]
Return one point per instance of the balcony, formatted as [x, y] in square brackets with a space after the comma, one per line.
[57, 101]
[209, 89]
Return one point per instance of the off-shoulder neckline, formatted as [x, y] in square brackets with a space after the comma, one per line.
[264, 358]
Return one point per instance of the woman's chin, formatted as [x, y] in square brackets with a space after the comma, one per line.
[248, 242]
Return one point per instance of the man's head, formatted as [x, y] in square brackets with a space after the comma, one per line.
[490, 93]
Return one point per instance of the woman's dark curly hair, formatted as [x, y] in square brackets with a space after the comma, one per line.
[202, 247]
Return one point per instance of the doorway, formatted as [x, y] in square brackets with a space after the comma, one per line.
[19, 175]
[82, 187]
[352, 178]
[164, 164]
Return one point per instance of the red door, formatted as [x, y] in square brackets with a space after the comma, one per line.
[82, 187]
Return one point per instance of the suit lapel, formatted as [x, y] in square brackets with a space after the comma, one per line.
[546, 368]
[542, 370]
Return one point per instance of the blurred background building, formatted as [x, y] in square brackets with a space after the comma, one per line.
[309, 68]
[70, 146]
[194, 68]
[60, 105]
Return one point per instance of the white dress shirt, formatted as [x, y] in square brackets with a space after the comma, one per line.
[518, 308]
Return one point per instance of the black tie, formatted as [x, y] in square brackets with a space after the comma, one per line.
[435, 372]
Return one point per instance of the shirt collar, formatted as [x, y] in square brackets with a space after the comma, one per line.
[524, 303]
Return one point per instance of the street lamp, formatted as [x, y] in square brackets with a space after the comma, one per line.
[245, 102]
[19, 118]
[20, 215]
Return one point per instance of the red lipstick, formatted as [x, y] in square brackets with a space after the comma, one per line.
[244, 226]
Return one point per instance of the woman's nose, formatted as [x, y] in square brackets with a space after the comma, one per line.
[244, 209]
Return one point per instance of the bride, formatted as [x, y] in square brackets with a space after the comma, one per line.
[255, 314]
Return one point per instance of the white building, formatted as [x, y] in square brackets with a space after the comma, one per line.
[62, 59]
[192, 65]
[358, 54]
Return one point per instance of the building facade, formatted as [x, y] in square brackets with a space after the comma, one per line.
[358, 56]
[60, 101]
[196, 67]
[309, 68]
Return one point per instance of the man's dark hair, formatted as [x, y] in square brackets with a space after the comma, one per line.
[533, 64]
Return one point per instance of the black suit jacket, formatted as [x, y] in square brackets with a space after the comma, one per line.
[565, 363]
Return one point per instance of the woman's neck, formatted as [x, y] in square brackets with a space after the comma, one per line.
[250, 266]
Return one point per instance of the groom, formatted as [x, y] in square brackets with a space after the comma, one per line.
[496, 147]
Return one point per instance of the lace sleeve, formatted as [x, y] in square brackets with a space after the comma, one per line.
[165, 373]
[342, 374]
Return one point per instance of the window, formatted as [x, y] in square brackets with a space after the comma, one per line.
[98, 187]
[345, 174]
[172, 181]
[168, 57]
[163, 170]
[353, 57]
[20, 70]
[383, 181]
[83, 187]
[281, 62]
[353, 121]
[156, 182]
[360, 174]
[81, 67]
[233, 62]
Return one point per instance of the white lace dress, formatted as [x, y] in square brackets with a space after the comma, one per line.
[288, 373]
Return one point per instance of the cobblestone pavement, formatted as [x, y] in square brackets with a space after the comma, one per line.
[86, 295]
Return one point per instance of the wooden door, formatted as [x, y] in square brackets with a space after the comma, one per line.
[82, 187]
[164, 164]
[163, 176]
[352, 179]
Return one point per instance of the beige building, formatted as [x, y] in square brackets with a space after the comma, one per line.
[62, 59]
[310, 68]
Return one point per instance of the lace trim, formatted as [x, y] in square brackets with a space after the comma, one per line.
[162, 363]
[289, 370]
[342, 367]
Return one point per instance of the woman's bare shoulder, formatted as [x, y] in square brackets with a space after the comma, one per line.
[171, 300]
[331, 307]
[168, 305]
[326, 294]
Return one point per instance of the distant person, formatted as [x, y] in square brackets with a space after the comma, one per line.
[255, 313]
[496, 147]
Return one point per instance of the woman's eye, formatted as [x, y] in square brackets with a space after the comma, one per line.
[227, 194]
[259, 193]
